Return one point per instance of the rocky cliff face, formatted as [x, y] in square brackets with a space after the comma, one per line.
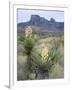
[35, 20]
[42, 24]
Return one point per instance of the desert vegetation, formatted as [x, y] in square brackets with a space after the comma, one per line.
[40, 55]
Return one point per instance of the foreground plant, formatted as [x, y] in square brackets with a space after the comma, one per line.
[44, 61]
[29, 42]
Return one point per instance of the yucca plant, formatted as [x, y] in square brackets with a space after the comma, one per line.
[43, 65]
[29, 42]
[38, 63]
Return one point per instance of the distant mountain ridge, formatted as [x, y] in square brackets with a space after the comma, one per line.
[41, 23]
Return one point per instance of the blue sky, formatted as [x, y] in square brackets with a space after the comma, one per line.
[25, 15]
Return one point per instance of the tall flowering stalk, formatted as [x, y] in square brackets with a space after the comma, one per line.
[28, 32]
[28, 46]
[44, 52]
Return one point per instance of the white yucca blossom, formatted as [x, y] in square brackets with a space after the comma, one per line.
[28, 32]
[44, 52]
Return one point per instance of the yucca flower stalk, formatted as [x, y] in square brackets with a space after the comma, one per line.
[28, 32]
[28, 46]
[44, 52]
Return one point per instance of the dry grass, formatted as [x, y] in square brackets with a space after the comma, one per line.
[57, 71]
